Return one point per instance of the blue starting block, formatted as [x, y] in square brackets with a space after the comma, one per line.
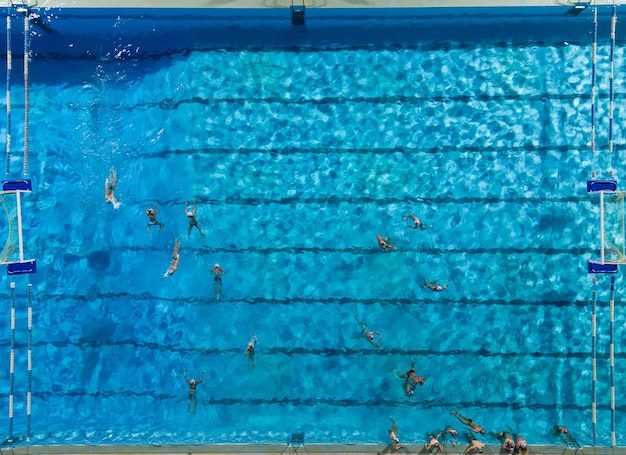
[598, 267]
[595, 186]
[17, 185]
[19, 268]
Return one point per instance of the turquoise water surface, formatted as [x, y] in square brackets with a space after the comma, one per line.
[297, 156]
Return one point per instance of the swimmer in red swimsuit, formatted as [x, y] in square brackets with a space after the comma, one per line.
[385, 244]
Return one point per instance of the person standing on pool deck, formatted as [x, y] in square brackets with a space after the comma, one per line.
[217, 281]
[175, 258]
[192, 219]
[151, 213]
[385, 244]
[435, 286]
[392, 435]
[417, 223]
[192, 392]
[250, 352]
[469, 422]
[368, 335]
[109, 189]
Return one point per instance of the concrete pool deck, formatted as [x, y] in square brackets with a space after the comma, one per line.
[288, 3]
[249, 449]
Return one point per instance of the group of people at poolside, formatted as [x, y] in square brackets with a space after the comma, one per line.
[511, 442]
[110, 186]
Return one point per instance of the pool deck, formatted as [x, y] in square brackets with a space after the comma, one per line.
[230, 449]
[287, 3]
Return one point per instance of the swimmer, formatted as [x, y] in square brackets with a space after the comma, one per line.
[475, 446]
[434, 443]
[109, 189]
[452, 432]
[192, 219]
[521, 446]
[435, 286]
[385, 244]
[417, 223]
[217, 281]
[250, 352]
[152, 221]
[368, 335]
[469, 422]
[560, 430]
[192, 392]
[392, 435]
[508, 445]
[412, 379]
[175, 257]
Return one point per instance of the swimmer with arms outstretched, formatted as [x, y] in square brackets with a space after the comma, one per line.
[191, 214]
[175, 258]
[469, 422]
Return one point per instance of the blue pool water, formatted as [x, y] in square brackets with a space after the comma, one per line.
[299, 145]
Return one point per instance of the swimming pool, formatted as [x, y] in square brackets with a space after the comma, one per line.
[298, 146]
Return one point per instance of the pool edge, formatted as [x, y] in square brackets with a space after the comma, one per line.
[261, 449]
